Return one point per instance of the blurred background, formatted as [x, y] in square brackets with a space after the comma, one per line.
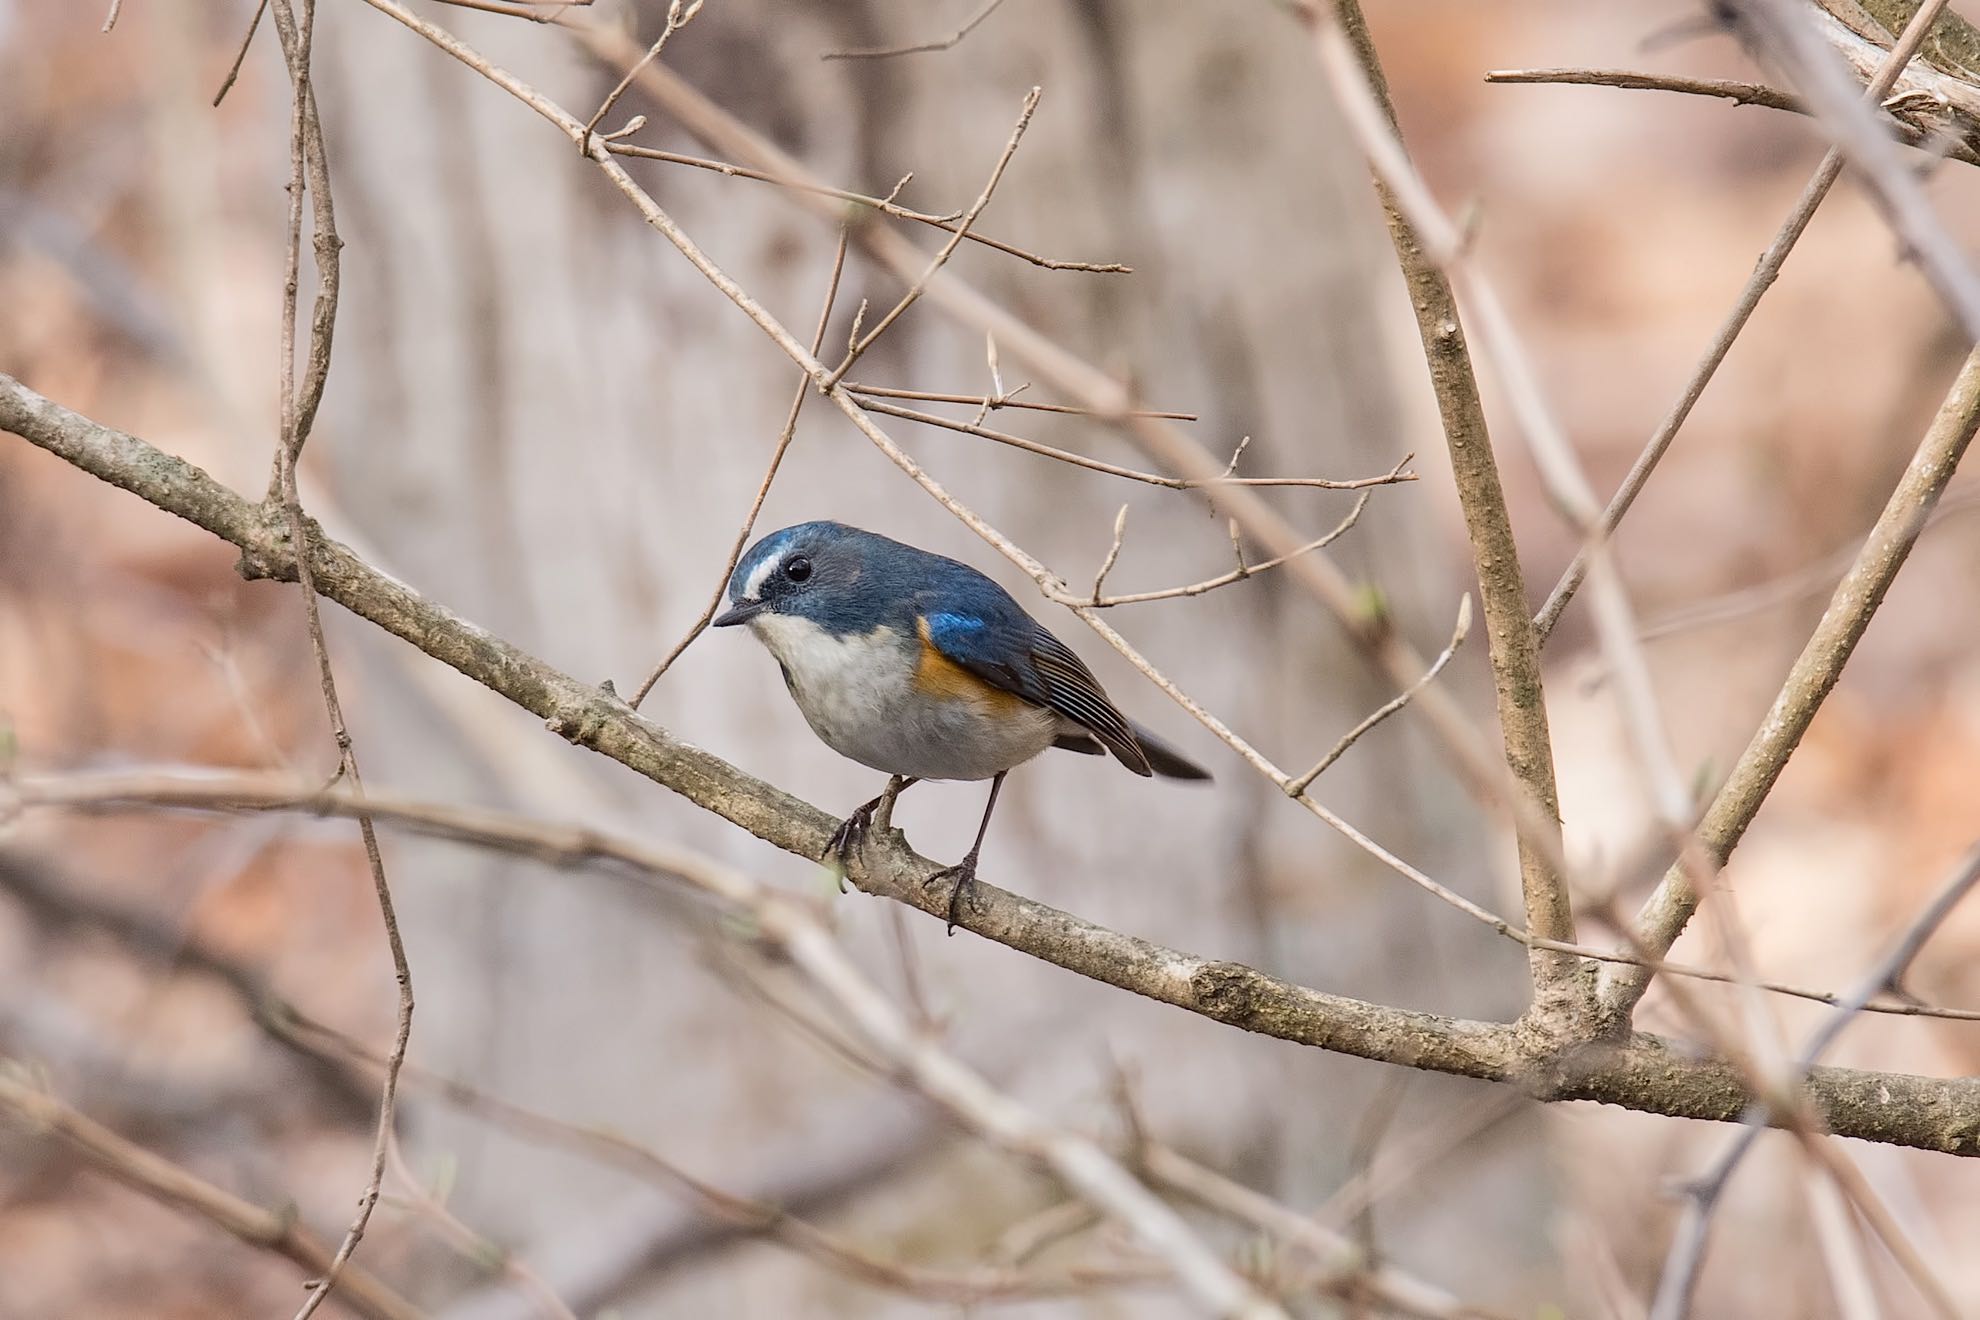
[539, 415]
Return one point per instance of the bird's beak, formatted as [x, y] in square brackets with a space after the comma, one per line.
[742, 613]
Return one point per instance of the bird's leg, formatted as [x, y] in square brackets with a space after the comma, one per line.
[852, 831]
[965, 870]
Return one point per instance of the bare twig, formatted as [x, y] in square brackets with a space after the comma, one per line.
[158, 1178]
[791, 928]
[752, 1216]
[1739, 93]
[1113, 554]
[110, 19]
[884, 205]
[1354, 71]
[1915, 129]
[1244, 570]
[942, 254]
[1394, 704]
[309, 170]
[1221, 479]
[969, 25]
[679, 14]
[1764, 274]
[1634, 1069]
[477, 1249]
[1703, 1194]
[1814, 673]
[989, 403]
[777, 453]
[1785, 33]
[240, 55]
[1347, 1270]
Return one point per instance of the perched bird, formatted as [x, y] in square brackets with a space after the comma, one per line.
[920, 666]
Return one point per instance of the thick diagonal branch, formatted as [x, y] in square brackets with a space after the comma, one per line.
[1808, 684]
[1637, 1071]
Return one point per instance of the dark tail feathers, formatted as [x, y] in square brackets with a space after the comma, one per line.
[1165, 760]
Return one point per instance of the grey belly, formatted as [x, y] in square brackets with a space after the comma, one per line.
[902, 731]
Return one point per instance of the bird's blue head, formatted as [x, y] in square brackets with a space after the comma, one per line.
[826, 572]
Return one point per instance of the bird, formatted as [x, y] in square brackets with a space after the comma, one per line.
[919, 666]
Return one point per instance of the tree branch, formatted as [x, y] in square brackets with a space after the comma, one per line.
[165, 1182]
[1815, 672]
[1637, 1071]
[1560, 985]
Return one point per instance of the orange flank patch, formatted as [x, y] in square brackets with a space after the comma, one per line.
[940, 676]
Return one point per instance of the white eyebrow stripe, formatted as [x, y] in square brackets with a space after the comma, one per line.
[753, 585]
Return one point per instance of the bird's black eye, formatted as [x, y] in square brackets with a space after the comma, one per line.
[797, 568]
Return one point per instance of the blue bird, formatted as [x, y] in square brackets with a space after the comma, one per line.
[921, 667]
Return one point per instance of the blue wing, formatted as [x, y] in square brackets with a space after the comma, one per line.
[1005, 647]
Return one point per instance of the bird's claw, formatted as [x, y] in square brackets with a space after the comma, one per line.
[846, 840]
[964, 888]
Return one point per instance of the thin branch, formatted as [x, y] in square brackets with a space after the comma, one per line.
[240, 55]
[885, 205]
[988, 8]
[770, 470]
[948, 248]
[1243, 571]
[1785, 33]
[1703, 1194]
[1105, 396]
[309, 170]
[536, 11]
[989, 403]
[1636, 1070]
[275, 1231]
[1221, 479]
[1813, 675]
[478, 1250]
[1765, 272]
[1394, 704]
[790, 927]
[755, 1217]
[1739, 93]
[1113, 554]
[1799, 584]
[1559, 985]
[1347, 1270]
[679, 14]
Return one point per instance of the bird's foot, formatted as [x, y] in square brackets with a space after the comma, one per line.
[846, 840]
[962, 891]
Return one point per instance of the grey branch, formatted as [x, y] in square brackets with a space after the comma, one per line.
[1634, 1070]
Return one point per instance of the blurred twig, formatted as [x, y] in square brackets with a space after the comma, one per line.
[1784, 33]
[989, 403]
[789, 927]
[1923, 136]
[1703, 1194]
[1764, 274]
[747, 1214]
[777, 453]
[862, 201]
[1347, 53]
[943, 253]
[969, 25]
[309, 172]
[1815, 672]
[874, 404]
[154, 1176]
[1636, 1070]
